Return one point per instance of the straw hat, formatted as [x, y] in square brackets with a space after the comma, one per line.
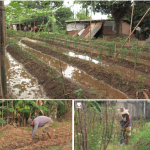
[122, 111]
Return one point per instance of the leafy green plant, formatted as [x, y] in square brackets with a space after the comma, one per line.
[78, 92]
[141, 79]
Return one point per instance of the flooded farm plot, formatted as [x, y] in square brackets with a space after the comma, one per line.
[21, 84]
[78, 75]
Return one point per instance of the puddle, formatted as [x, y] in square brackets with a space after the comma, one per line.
[20, 83]
[78, 75]
[72, 54]
[118, 69]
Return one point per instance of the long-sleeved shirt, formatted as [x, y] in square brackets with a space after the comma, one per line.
[39, 122]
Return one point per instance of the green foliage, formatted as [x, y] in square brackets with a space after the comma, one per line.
[78, 92]
[23, 110]
[81, 15]
[11, 109]
[2, 121]
[95, 104]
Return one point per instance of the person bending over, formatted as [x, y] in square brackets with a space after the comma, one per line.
[41, 121]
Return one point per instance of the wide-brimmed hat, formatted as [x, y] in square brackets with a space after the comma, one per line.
[122, 111]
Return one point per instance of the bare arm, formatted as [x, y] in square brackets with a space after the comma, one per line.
[127, 121]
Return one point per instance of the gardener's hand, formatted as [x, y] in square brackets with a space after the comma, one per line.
[30, 139]
[122, 129]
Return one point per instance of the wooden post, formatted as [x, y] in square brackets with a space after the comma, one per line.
[136, 27]
[34, 26]
[75, 24]
[90, 21]
[131, 20]
[2, 50]
[7, 112]
[2, 112]
[53, 22]
[135, 60]
[19, 26]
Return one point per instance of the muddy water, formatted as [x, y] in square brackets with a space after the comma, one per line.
[78, 76]
[118, 69]
[20, 83]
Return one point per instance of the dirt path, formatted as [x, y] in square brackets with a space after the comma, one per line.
[18, 138]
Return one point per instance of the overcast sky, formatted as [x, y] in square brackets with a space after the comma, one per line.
[75, 8]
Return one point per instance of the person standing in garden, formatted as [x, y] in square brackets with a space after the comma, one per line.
[36, 29]
[126, 123]
[41, 121]
[25, 29]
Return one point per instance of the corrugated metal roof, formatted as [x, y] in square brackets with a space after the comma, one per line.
[85, 32]
[94, 29]
[81, 32]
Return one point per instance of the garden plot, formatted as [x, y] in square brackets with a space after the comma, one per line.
[18, 138]
[79, 76]
[119, 69]
[124, 84]
[54, 84]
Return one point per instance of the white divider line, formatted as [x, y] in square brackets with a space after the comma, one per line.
[72, 124]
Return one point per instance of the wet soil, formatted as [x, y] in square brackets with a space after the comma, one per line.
[117, 68]
[18, 138]
[124, 63]
[124, 84]
[51, 80]
[20, 83]
[78, 75]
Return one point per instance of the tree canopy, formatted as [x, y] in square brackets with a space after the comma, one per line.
[117, 9]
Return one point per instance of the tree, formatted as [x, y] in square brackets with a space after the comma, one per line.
[118, 10]
[62, 14]
[82, 15]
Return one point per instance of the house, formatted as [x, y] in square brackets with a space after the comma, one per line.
[99, 28]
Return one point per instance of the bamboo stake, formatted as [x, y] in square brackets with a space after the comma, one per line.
[2, 112]
[136, 27]
[135, 60]
[2, 50]
[62, 76]
[90, 21]
[34, 26]
[7, 112]
[131, 20]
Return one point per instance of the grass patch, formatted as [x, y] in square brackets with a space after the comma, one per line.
[30, 128]
[139, 140]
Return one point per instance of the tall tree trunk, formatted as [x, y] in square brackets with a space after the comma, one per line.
[2, 49]
[118, 27]
[118, 23]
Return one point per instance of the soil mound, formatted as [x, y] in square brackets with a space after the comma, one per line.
[7, 128]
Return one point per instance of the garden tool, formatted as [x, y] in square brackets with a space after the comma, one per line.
[122, 141]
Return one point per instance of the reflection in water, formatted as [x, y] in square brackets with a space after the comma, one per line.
[78, 75]
[72, 54]
[20, 83]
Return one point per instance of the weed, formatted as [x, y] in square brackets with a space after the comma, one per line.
[141, 79]
[78, 92]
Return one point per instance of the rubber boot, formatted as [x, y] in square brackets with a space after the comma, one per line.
[44, 137]
[50, 136]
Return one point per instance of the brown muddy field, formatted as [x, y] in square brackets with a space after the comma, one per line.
[121, 83]
[49, 77]
[18, 138]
